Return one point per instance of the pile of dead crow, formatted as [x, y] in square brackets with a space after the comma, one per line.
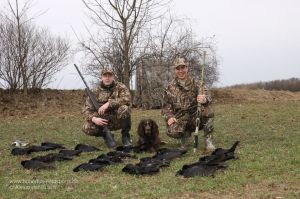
[205, 166]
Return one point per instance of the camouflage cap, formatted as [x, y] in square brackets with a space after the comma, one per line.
[107, 70]
[179, 62]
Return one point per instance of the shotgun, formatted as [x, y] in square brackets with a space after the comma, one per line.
[199, 105]
[88, 91]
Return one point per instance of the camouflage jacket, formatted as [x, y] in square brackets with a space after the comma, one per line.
[117, 94]
[181, 99]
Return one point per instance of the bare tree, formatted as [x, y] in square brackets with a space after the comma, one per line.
[121, 22]
[29, 56]
[9, 70]
[174, 38]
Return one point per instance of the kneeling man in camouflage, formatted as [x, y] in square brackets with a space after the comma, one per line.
[114, 112]
[180, 107]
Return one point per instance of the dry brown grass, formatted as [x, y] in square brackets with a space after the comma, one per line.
[252, 95]
[65, 103]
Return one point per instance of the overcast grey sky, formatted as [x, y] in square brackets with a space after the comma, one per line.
[257, 40]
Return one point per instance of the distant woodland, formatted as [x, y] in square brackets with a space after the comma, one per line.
[292, 84]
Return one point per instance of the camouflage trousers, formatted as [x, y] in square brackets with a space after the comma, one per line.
[186, 124]
[114, 117]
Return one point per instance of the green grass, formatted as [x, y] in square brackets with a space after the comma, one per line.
[268, 164]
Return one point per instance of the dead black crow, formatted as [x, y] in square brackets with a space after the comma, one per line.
[115, 159]
[30, 149]
[169, 154]
[86, 148]
[20, 151]
[102, 161]
[141, 169]
[36, 165]
[53, 145]
[128, 149]
[225, 154]
[198, 169]
[125, 149]
[121, 154]
[152, 161]
[88, 167]
[70, 152]
[208, 165]
[41, 148]
[51, 157]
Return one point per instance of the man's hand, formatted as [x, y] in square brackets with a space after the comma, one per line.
[99, 121]
[171, 121]
[201, 99]
[103, 108]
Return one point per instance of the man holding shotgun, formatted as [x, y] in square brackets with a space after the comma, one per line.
[113, 113]
[181, 100]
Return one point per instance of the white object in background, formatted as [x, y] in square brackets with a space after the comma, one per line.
[19, 143]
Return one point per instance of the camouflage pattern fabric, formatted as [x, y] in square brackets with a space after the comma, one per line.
[114, 118]
[119, 108]
[184, 127]
[180, 102]
[107, 70]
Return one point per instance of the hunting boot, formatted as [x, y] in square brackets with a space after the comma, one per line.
[126, 126]
[208, 143]
[184, 140]
[108, 137]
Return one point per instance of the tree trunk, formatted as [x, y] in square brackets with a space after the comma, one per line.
[126, 76]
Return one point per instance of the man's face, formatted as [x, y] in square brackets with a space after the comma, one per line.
[107, 79]
[181, 72]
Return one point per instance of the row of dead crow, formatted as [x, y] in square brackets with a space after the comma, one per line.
[205, 166]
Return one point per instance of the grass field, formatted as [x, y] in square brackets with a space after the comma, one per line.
[268, 164]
